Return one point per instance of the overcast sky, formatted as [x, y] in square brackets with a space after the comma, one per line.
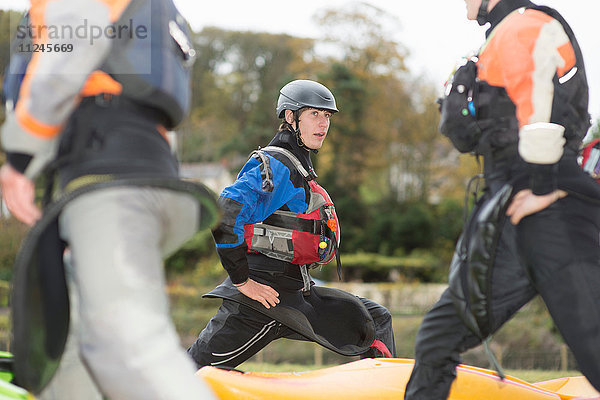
[435, 31]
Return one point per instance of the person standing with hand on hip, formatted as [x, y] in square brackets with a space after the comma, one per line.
[521, 104]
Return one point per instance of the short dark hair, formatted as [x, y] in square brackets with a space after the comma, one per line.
[286, 125]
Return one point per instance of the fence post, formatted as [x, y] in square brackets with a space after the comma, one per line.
[564, 357]
[318, 355]
[499, 353]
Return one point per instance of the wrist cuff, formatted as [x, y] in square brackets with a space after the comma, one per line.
[235, 262]
[242, 283]
[543, 178]
[19, 161]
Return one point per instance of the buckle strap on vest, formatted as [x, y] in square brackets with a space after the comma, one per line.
[266, 173]
[305, 280]
[281, 220]
[338, 259]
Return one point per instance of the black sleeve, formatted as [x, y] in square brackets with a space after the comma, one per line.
[235, 262]
[233, 259]
[543, 178]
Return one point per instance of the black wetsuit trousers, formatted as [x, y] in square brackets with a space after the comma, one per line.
[554, 253]
[237, 332]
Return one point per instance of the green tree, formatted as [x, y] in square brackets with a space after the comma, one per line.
[365, 35]
[235, 86]
[8, 23]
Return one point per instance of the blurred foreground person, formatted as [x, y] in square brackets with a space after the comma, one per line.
[90, 92]
[521, 104]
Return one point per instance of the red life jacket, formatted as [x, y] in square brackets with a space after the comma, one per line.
[591, 159]
[311, 237]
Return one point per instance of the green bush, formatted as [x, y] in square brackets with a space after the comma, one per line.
[449, 215]
[12, 233]
[200, 246]
[420, 265]
[396, 228]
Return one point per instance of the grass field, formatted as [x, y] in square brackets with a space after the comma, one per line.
[530, 376]
[534, 375]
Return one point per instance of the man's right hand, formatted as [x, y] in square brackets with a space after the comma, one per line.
[19, 193]
[265, 294]
[526, 203]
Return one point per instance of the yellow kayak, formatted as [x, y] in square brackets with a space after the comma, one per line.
[384, 378]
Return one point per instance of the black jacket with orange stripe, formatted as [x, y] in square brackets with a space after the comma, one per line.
[531, 57]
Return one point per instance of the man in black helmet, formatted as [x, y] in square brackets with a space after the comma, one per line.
[277, 224]
[522, 105]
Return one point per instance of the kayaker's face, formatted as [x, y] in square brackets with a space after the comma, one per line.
[314, 125]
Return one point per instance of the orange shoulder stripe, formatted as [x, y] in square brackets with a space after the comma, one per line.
[508, 59]
[100, 82]
[33, 126]
[27, 121]
[568, 54]
[97, 82]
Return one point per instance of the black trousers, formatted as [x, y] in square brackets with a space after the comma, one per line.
[237, 332]
[554, 253]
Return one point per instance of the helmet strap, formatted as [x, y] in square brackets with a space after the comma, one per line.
[298, 135]
[482, 14]
[296, 130]
[297, 121]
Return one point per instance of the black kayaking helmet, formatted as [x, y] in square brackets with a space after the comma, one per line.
[305, 93]
[482, 15]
